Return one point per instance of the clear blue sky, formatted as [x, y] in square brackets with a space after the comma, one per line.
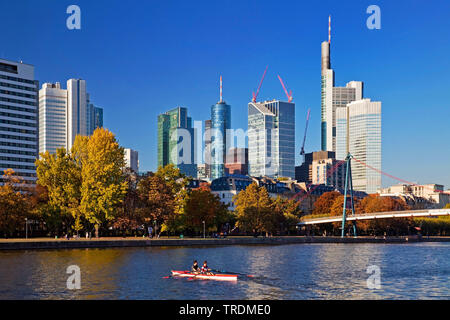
[142, 58]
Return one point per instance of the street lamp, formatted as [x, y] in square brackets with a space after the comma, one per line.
[26, 228]
[203, 229]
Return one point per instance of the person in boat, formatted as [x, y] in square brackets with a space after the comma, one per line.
[195, 267]
[205, 268]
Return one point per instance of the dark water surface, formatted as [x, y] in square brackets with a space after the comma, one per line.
[296, 271]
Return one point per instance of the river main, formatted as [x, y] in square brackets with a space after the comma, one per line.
[296, 271]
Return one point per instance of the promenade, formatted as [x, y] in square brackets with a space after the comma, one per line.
[50, 243]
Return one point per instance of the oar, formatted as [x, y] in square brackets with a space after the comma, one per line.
[242, 274]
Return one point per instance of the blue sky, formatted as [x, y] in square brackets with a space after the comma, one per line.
[143, 58]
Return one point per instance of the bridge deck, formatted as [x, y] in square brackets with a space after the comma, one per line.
[380, 215]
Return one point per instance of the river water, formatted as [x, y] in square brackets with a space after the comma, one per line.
[295, 271]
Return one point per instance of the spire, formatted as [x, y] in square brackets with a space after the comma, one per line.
[329, 29]
[221, 89]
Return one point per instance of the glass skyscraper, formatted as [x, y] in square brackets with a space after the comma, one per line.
[176, 141]
[359, 132]
[220, 123]
[271, 139]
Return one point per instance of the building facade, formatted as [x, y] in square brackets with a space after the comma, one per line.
[237, 161]
[64, 114]
[207, 150]
[131, 159]
[271, 139]
[18, 119]
[220, 126]
[333, 97]
[359, 133]
[176, 141]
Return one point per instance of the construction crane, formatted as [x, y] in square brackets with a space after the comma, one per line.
[289, 95]
[302, 151]
[259, 87]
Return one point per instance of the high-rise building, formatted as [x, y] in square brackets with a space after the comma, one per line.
[207, 152]
[333, 97]
[176, 141]
[271, 139]
[220, 126]
[131, 159]
[52, 117]
[64, 114]
[18, 119]
[359, 133]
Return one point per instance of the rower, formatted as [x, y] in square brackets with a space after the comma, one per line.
[195, 268]
[205, 268]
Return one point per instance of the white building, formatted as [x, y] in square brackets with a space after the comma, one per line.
[131, 159]
[333, 97]
[271, 139]
[52, 117]
[64, 114]
[359, 132]
[18, 119]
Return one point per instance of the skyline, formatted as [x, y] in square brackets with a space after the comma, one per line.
[186, 74]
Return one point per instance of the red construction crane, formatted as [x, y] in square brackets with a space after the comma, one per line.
[259, 87]
[289, 95]
[302, 151]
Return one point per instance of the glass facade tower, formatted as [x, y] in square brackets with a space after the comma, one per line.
[359, 132]
[176, 141]
[271, 139]
[220, 124]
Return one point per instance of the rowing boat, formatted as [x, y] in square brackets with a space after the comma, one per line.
[220, 277]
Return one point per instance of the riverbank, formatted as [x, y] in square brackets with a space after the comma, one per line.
[47, 243]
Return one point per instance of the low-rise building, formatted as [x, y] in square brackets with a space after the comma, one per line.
[419, 196]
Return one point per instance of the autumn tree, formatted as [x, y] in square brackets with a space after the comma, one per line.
[325, 202]
[60, 175]
[202, 205]
[103, 185]
[14, 205]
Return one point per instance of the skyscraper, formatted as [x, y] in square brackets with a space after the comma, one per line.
[220, 124]
[176, 141]
[131, 159]
[64, 114]
[359, 132]
[271, 139]
[18, 119]
[333, 97]
[207, 151]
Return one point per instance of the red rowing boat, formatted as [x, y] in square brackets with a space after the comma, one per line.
[219, 277]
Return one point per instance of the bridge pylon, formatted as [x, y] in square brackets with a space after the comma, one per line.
[348, 191]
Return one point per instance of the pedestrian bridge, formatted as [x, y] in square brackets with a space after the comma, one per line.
[379, 215]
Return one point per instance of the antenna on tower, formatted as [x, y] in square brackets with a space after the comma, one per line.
[329, 29]
[220, 89]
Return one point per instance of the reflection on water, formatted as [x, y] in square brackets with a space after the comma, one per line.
[297, 271]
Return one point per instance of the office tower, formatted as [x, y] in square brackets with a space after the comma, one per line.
[52, 117]
[131, 159]
[333, 97]
[176, 141]
[18, 119]
[220, 124]
[359, 132]
[64, 114]
[207, 149]
[95, 119]
[320, 167]
[271, 139]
